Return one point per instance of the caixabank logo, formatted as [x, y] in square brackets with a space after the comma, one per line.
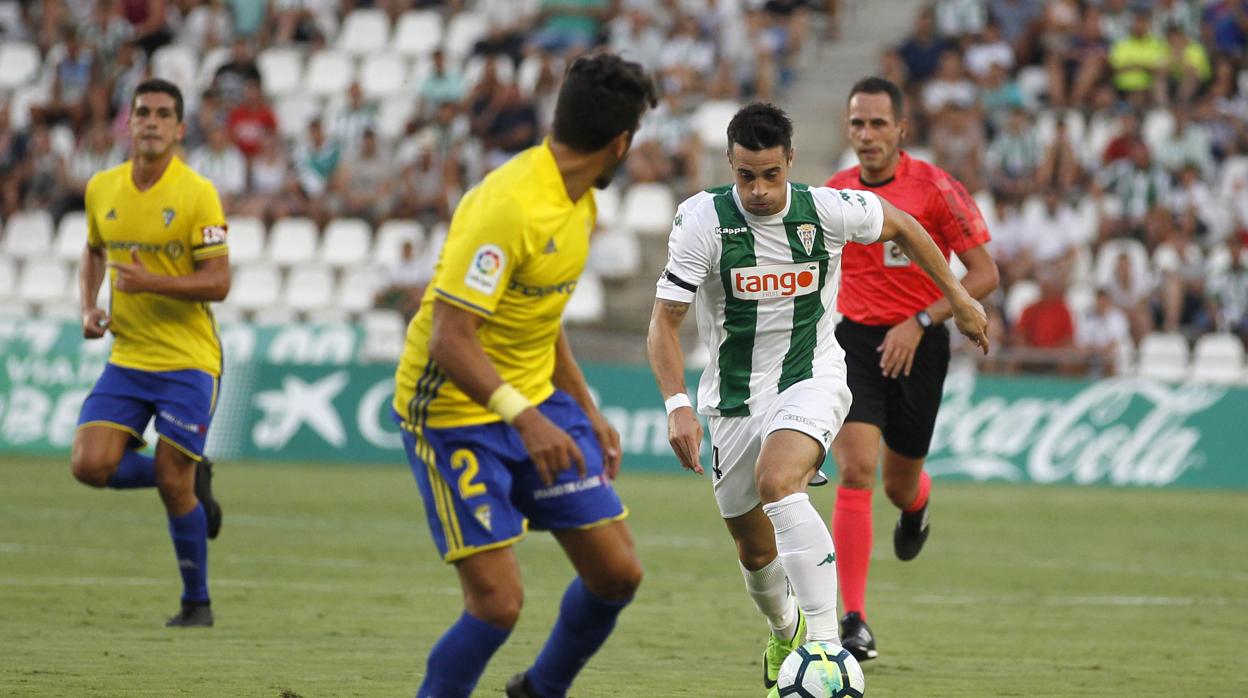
[775, 281]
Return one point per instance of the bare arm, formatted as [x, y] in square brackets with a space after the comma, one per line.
[569, 378]
[90, 278]
[684, 431]
[209, 282]
[457, 350]
[981, 279]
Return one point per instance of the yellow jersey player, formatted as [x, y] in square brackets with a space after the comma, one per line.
[498, 423]
[157, 228]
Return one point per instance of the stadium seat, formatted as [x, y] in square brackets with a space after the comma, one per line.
[530, 72]
[275, 315]
[27, 234]
[1163, 357]
[22, 99]
[281, 70]
[294, 112]
[227, 314]
[710, 121]
[1219, 358]
[1157, 127]
[255, 286]
[390, 238]
[383, 75]
[329, 73]
[1219, 259]
[8, 281]
[1080, 298]
[588, 302]
[63, 140]
[212, 61]
[649, 209]
[64, 310]
[1033, 81]
[1166, 257]
[608, 203]
[246, 239]
[364, 31]
[384, 332]
[1107, 259]
[347, 242]
[475, 68]
[44, 281]
[309, 289]
[463, 32]
[393, 115]
[615, 253]
[21, 63]
[292, 241]
[1089, 219]
[1022, 294]
[418, 33]
[357, 287]
[177, 63]
[71, 236]
[1081, 270]
[1046, 127]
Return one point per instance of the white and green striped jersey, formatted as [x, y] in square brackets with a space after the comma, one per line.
[765, 287]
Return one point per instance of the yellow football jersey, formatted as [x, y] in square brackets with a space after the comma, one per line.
[515, 249]
[175, 223]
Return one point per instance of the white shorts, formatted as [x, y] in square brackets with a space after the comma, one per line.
[815, 407]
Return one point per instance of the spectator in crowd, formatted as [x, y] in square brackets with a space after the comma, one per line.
[667, 147]
[1138, 59]
[43, 173]
[960, 17]
[73, 67]
[1228, 293]
[356, 117]
[988, 50]
[1136, 184]
[1179, 304]
[207, 26]
[923, 49]
[303, 21]
[1075, 61]
[508, 125]
[441, 86]
[363, 183]
[1187, 67]
[506, 22]
[1131, 291]
[223, 163]
[150, 19]
[1048, 238]
[252, 122]
[1019, 21]
[273, 190]
[427, 186]
[949, 86]
[106, 32]
[571, 24]
[316, 160]
[1186, 145]
[13, 146]
[1048, 325]
[1183, 15]
[1103, 333]
[406, 280]
[1014, 157]
[1192, 197]
[230, 80]
[958, 144]
[1059, 167]
[95, 152]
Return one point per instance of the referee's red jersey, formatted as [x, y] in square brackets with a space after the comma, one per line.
[879, 285]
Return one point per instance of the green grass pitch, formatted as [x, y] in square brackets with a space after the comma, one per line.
[325, 583]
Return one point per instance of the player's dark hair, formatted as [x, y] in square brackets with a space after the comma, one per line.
[163, 87]
[602, 96]
[879, 86]
[761, 126]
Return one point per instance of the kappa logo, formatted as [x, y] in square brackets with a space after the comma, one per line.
[806, 234]
[732, 231]
[775, 281]
[829, 560]
[167, 215]
[111, 215]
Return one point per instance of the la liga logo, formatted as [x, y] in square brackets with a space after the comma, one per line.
[488, 261]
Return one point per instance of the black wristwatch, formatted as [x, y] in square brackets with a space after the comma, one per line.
[924, 320]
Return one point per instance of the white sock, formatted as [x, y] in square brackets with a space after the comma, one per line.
[807, 554]
[770, 590]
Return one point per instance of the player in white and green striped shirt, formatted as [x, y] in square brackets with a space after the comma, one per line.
[762, 261]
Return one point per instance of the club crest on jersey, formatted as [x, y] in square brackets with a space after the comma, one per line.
[806, 233]
[482, 513]
[167, 215]
[775, 281]
[486, 269]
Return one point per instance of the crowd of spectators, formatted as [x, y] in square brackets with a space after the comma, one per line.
[1108, 144]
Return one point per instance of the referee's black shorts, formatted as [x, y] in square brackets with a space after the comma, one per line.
[904, 408]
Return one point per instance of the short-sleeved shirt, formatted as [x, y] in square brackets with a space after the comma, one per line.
[880, 285]
[173, 224]
[513, 255]
[765, 288]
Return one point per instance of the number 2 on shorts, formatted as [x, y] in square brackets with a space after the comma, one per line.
[465, 460]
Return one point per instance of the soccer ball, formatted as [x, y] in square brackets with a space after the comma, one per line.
[821, 670]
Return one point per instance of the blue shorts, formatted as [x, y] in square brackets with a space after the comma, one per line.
[181, 401]
[482, 491]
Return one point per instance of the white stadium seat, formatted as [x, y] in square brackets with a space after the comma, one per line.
[1080, 298]
[383, 75]
[44, 281]
[212, 61]
[281, 70]
[1023, 293]
[1219, 358]
[465, 29]
[530, 72]
[608, 203]
[1163, 356]
[278, 315]
[255, 286]
[27, 234]
[21, 63]
[384, 332]
[227, 314]
[22, 99]
[293, 241]
[8, 280]
[294, 112]
[588, 302]
[649, 209]
[329, 73]
[177, 63]
[64, 142]
[309, 289]
[347, 242]
[475, 68]
[246, 239]
[393, 115]
[390, 238]
[1111, 250]
[418, 33]
[357, 288]
[364, 31]
[71, 236]
[615, 254]
[65, 310]
[710, 120]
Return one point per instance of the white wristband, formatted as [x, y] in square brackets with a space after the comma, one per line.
[676, 402]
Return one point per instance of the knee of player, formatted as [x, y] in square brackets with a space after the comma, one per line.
[775, 484]
[621, 584]
[856, 473]
[900, 491]
[90, 469]
[498, 607]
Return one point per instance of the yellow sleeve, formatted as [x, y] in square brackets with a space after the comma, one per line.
[94, 240]
[208, 227]
[485, 245]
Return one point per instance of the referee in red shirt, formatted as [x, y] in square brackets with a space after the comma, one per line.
[896, 344]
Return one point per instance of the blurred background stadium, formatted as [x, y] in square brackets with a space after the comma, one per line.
[1105, 141]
